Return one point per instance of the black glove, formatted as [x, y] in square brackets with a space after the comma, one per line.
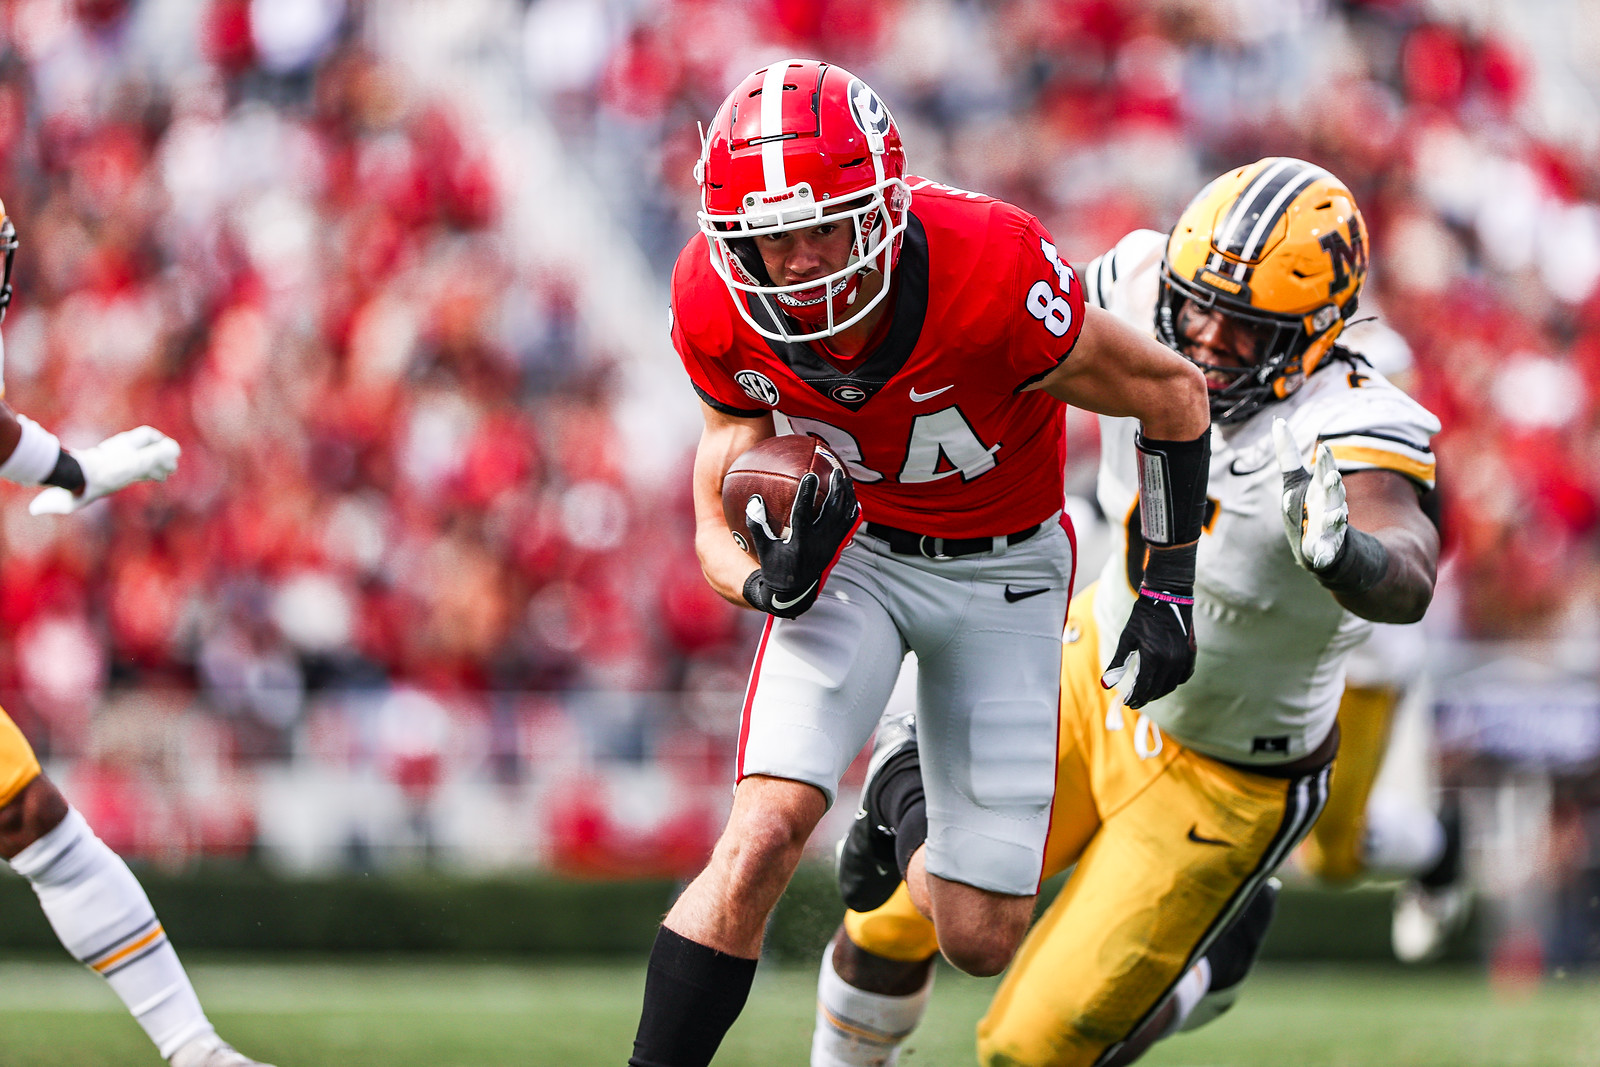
[1160, 628]
[790, 576]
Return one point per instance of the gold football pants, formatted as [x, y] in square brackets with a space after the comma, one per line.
[1168, 845]
[1333, 852]
[18, 764]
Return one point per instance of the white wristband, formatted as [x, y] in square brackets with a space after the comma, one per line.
[35, 456]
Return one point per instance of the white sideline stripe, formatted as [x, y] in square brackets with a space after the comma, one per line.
[772, 168]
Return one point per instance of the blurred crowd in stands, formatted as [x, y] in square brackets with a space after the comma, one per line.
[404, 532]
[1104, 115]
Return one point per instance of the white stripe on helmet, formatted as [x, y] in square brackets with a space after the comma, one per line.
[772, 169]
[1237, 212]
[1269, 217]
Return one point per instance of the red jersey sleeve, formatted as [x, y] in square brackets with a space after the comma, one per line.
[1051, 317]
[702, 332]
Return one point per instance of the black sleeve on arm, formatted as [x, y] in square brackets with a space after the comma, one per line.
[1361, 564]
[728, 409]
[1172, 488]
[68, 473]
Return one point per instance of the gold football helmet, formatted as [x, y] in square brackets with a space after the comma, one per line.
[1277, 246]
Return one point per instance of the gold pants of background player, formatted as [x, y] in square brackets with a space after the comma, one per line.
[1167, 843]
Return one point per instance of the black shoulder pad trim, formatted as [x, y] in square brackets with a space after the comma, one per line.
[728, 409]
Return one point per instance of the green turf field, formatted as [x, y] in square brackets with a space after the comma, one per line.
[428, 1013]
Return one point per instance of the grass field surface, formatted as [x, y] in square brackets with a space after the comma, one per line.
[431, 1013]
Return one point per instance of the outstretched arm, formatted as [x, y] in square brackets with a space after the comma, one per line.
[1116, 370]
[31, 455]
[1386, 506]
[1363, 535]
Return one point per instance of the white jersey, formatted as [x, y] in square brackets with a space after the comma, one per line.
[1272, 641]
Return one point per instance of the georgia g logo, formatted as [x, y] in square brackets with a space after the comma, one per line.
[757, 387]
[869, 112]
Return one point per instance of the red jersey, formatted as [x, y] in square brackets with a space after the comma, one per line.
[931, 422]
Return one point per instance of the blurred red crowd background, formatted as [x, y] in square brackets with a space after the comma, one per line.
[403, 469]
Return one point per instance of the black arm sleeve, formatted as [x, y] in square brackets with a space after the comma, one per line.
[1172, 489]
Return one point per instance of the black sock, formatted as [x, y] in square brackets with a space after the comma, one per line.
[902, 806]
[692, 994]
[910, 833]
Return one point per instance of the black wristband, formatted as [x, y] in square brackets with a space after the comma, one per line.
[756, 593]
[68, 473]
[1171, 570]
[1172, 488]
[1361, 564]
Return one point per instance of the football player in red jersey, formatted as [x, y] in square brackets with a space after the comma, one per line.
[94, 903]
[929, 337]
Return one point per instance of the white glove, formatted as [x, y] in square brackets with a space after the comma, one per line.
[144, 454]
[1315, 517]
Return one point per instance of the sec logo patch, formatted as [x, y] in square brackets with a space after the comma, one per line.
[757, 387]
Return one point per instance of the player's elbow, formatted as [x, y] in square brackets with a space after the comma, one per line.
[1404, 599]
[1189, 382]
[1407, 607]
[1177, 408]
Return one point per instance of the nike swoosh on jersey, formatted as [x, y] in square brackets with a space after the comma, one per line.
[1233, 469]
[1197, 839]
[917, 398]
[1014, 595]
[785, 605]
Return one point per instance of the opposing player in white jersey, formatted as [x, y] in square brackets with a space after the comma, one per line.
[94, 903]
[1176, 815]
[1390, 834]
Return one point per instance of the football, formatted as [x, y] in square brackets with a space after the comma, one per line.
[772, 470]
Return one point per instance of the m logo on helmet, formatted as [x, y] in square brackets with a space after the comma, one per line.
[1346, 257]
[870, 113]
[758, 387]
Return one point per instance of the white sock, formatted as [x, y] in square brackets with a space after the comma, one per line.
[1191, 988]
[855, 1028]
[1402, 838]
[100, 913]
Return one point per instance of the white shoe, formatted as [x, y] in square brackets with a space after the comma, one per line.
[1430, 909]
[1425, 919]
[209, 1050]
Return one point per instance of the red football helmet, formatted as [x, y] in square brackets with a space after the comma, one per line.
[799, 144]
